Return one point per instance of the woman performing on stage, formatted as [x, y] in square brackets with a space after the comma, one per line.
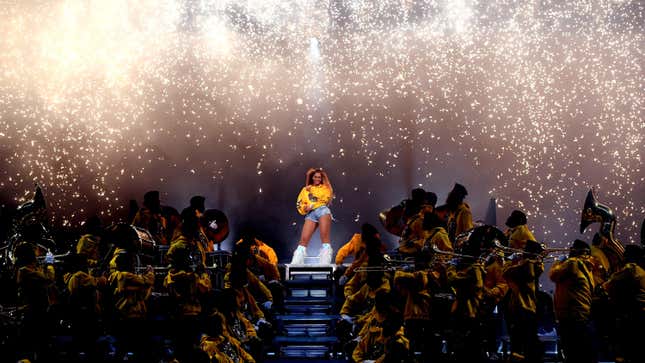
[313, 203]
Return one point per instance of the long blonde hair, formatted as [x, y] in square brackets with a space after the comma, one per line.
[309, 180]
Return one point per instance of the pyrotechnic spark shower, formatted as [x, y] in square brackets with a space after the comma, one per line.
[532, 102]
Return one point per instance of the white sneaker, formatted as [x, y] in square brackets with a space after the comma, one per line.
[299, 256]
[326, 253]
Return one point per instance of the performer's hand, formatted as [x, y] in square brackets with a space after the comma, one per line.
[149, 269]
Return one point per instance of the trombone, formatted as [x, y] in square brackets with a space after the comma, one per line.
[547, 253]
[389, 265]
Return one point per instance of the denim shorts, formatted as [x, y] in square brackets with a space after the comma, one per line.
[315, 214]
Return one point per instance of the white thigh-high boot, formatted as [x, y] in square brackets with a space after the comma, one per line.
[299, 255]
[326, 253]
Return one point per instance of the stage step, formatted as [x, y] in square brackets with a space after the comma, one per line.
[307, 325]
[308, 287]
[307, 318]
[307, 328]
[306, 347]
[309, 272]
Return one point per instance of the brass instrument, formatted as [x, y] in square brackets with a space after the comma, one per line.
[454, 254]
[546, 254]
[592, 212]
[389, 265]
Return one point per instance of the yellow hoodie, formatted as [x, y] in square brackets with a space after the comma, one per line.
[314, 197]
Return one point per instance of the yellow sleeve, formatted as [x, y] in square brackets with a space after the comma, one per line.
[441, 241]
[356, 264]
[254, 309]
[464, 221]
[410, 281]
[616, 278]
[302, 201]
[360, 350]
[269, 269]
[257, 286]
[559, 271]
[352, 302]
[137, 282]
[499, 287]
[349, 248]
[250, 329]
[269, 252]
[246, 357]
[80, 280]
[354, 284]
[325, 196]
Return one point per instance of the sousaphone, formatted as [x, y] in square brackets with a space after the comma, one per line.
[594, 211]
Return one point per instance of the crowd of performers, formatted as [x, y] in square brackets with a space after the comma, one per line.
[446, 295]
[466, 280]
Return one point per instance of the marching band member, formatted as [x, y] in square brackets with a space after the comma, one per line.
[247, 287]
[220, 346]
[466, 278]
[89, 244]
[83, 300]
[149, 217]
[362, 300]
[495, 288]
[415, 231]
[574, 286]
[518, 233]
[626, 289]
[264, 261]
[35, 286]
[435, 234]
[184, 285]
[130, 290]
[522, 275]
[369, 239]
[237, 325]
[416, 288]
[313, 202]
[383, 342]
[188, 238]
[460, 218]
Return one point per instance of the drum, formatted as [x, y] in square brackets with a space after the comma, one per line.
[218, 259]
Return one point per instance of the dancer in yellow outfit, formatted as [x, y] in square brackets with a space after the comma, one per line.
[313, 202]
